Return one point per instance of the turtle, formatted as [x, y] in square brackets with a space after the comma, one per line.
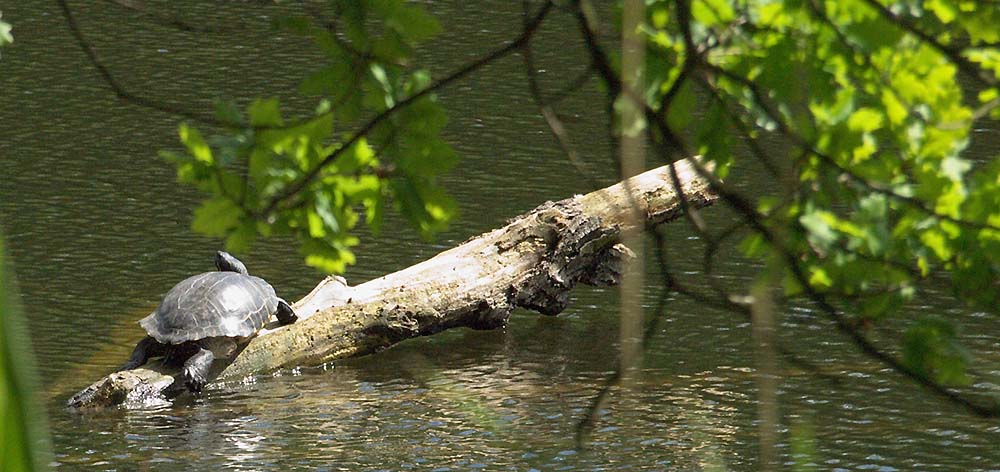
[208, 315]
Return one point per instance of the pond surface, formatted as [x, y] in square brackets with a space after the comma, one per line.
[98, 231]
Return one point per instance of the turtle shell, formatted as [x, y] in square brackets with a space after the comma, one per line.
[212, 304]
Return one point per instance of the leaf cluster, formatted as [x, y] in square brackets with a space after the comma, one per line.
[310, 177]
[876, 195]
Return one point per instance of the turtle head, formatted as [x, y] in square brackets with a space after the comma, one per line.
[225, 262]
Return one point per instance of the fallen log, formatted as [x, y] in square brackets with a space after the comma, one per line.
[531, 262]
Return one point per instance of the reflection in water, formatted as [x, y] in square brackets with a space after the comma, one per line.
[414, 411]
[467, 401]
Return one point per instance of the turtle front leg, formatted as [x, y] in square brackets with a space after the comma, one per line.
[285, 313]
[195, 373]
[146, 348]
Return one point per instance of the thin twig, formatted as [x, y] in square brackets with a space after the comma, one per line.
[548, 114]
[120, 91]
[173, 21]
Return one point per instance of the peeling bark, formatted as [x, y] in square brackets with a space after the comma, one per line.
[531, 262]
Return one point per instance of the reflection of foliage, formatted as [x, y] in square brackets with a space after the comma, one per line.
[23, 441]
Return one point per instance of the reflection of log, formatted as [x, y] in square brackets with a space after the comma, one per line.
[531, 262]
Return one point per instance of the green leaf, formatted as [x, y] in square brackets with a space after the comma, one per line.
[894, 109]
[265, 112]
[819, 227]
[195, 144]
[333, 80]
[819, 278]
[930, 347]
[865, 120]
[360, 156]
[713, 139]
[754, 245]
[5, 36]
[216, 217]
[418, 81]
[944, 10]
[329, 256]
[241, 238]
[427, 207]
[316, 229]
[227, 111]
[413, 23]
[712, 12]
[325, 217]
[381, 76]
[425, 157]
[681, 107]
[424, 117]
[936, 240]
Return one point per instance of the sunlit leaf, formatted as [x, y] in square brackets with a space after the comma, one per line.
[265, 112]
[5, 33]
[195, 144]
[712, 12]
[240, 239]
[216, 216]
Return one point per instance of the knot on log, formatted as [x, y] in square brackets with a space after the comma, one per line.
[608, 266]
[579, 248]
[397, 323]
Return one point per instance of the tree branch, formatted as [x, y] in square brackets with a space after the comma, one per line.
[786, 130]
[954, 55]
[119, 90]
[755, 221]
[301, 183]
[555, 125]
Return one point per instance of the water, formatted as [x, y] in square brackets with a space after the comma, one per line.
[97, 230]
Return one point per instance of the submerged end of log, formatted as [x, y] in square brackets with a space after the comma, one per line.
[534, 261]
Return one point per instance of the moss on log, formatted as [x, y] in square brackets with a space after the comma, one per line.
[533, 262]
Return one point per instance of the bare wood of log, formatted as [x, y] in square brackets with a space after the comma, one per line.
[531, 262]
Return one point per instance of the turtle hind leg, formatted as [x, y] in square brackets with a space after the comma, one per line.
[145, 349]
[285, 313]
[195, 373]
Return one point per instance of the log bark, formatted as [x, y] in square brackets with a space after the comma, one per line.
[533, 262]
